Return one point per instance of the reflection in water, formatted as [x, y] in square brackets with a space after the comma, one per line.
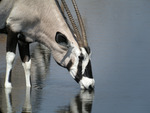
[39, 69]
[18, 99]
[40, 64]
[11, 101]
[27, 104]
[8, 100]
[81, 103]
[26, 100]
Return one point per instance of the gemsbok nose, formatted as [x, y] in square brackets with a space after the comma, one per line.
[87, 83]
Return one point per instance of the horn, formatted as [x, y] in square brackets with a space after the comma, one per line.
[78, 36]
[62, 8]
[80, 23]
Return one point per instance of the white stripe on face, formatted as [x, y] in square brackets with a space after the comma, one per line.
[85, 60]
[10, 56]
[74, 68]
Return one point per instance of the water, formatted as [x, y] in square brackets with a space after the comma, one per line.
[118, 33]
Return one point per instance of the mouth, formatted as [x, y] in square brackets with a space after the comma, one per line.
[87, 83]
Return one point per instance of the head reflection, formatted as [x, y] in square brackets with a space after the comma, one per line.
[81, 103]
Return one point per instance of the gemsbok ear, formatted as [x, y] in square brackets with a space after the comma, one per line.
[61, 39]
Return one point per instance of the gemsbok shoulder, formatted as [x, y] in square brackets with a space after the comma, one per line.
[44, 21]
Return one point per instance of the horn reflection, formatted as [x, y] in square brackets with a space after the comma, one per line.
[81, 103]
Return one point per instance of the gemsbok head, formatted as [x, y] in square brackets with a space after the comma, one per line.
[45, 22]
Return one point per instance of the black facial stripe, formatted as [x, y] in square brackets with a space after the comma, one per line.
[69, 65]
[88, 70]
[78, 77]
[77, 80]
[88, 50]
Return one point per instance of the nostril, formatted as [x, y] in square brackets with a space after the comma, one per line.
[90, 87]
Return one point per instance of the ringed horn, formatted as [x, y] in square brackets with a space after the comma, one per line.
[82, 42]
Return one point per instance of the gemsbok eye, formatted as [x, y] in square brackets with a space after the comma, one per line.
[61, 39]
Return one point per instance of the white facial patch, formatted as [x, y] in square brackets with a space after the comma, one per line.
[86, 82]
[85, 60]
[10, 56]
[73, 70]
[27, 67]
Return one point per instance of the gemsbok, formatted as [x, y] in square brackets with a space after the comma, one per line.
[44, 21]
